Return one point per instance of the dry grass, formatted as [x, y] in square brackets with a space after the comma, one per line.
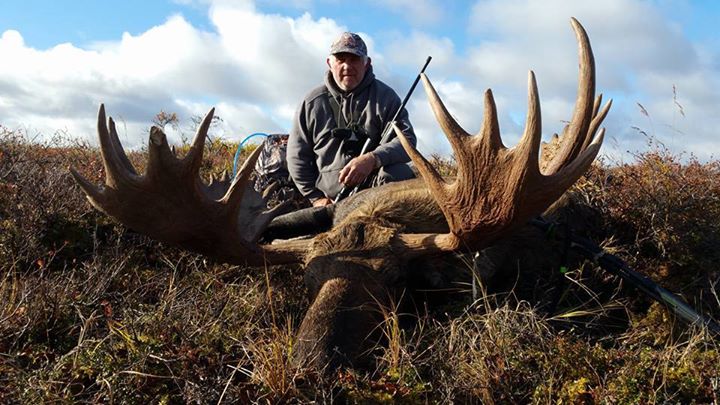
[92, 312]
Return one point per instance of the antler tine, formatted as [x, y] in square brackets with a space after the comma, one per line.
[161, 160]
[450, 127]
[596, 104]
[114, 161]
[235, 193]
[117, 146]
[573, 136]
[94, 194]
[117, 165]
[193, 159]
[597, 120]
[433, 179]
[528, 148]
[490, 131]
[569, 174]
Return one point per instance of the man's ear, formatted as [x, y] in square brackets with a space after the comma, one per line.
[328, 61]
[369, 62]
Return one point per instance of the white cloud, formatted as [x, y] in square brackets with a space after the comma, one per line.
[639, 56]
[410, 50]
[278, 58]
[255, 67]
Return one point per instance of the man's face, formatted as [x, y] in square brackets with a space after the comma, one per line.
[348, 69]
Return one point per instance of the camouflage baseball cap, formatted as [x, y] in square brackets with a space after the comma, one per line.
[349, 42]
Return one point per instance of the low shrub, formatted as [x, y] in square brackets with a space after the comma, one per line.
[93, 312]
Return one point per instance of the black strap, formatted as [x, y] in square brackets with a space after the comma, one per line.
[339, 117]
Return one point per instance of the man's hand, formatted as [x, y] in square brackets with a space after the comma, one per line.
[321, 202]
[357, 170]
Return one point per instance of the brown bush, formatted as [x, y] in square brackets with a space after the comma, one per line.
[92, 312]
[664, 210]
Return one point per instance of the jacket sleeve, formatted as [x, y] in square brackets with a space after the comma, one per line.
[300, 156]
[390, 150]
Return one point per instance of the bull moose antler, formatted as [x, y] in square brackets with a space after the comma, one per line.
[171, 203]
[498, 189]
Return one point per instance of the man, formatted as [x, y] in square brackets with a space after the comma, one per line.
[333, 122]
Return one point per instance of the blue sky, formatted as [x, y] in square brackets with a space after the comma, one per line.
[254, 60]
[45, 23]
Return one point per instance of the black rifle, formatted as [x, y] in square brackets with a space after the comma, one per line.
[368, 145]
[618, 267]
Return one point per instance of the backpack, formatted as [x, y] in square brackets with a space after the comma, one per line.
[271, 167]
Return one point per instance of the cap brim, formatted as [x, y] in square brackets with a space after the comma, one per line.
[347, 50]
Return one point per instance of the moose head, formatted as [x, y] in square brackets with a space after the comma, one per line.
[360, 259]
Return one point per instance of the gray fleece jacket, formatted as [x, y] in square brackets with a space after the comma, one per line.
[315, 157]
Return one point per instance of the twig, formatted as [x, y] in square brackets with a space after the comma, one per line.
[227, 384]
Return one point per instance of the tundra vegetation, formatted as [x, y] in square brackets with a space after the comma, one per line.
[91, 311]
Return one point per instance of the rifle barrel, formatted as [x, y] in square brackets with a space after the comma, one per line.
[618, 267]
[386, 130]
